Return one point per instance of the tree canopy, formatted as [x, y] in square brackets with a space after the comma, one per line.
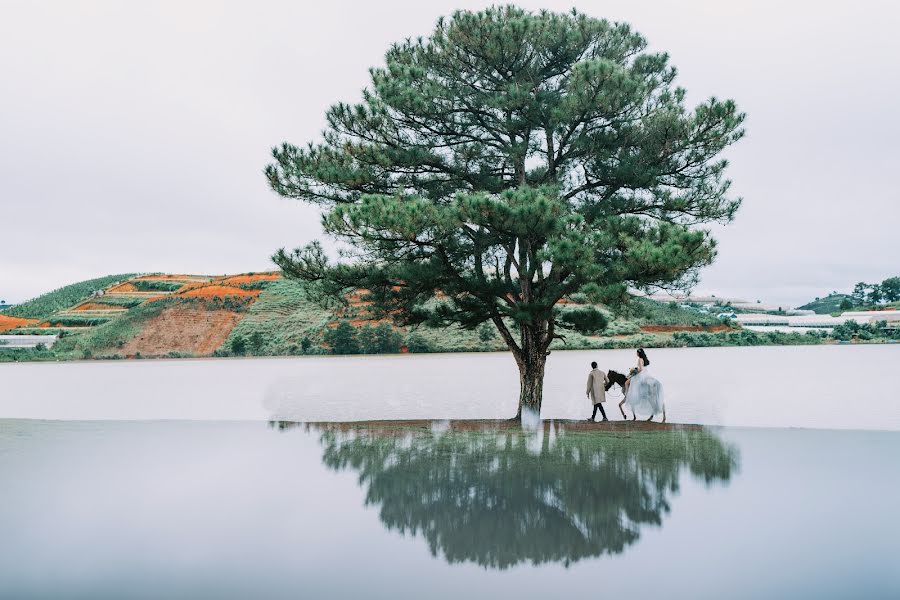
[505, 162]
[873, 293]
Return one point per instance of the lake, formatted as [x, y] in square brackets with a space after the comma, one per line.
[843, 387]
[188, 479]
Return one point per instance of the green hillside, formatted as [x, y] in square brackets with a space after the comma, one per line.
[262, 314]
[829, 304]
[60, 299]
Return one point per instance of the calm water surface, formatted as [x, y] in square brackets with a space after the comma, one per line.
[249, 510]
[819, 387]
[192, 479]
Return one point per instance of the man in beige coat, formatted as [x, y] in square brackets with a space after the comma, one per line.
[596, 390]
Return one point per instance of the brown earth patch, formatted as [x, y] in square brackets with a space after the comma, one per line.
[171, 278]
[674, 328]
[360, 322]
[220, 291]
[183, 328]
[250, 278]
[99, 306]
[122, 287]
[7, 323]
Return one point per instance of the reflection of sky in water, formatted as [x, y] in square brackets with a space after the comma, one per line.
[244, 510]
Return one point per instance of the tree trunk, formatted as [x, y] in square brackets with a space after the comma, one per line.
[531, 379]
[531, 357]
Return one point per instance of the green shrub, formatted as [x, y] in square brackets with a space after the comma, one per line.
[342, 339]
[78, 320]
[645, 311]
[117, 300]
[487, 332]
[382, 339]
[260, 284]
[154, 285]
[417, 343]
[255, 341]
[622, 327]
[238, 345]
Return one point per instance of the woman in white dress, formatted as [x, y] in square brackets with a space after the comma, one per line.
[643, 392]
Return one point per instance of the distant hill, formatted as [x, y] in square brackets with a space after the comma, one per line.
[62, 298]
[162, 315]
[828, 305]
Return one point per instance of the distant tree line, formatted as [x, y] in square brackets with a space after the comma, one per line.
[865, 331]
[347, 339]
[873, 293]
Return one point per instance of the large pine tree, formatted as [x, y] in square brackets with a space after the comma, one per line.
[505, 162]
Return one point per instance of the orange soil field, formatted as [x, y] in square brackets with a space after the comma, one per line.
[172, 278]
[7, 323]
[98, 306]
[183, 328]
[361, 322]
[213, 291]
[674, 328]
[239, 279]
[122, 287]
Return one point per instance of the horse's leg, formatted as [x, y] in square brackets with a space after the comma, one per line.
[664, 414]
[622, 410]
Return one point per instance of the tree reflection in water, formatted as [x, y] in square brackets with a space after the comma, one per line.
[499, 496]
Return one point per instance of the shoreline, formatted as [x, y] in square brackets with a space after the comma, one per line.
[8, 356]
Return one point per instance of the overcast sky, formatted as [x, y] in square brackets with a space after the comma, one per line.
[133, 134]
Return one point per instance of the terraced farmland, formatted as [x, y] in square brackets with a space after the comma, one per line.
[152, 315]
[112, 315]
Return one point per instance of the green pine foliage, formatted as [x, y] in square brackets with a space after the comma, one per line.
[505, 162]
[342, 339]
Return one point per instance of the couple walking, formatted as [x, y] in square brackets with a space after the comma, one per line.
[643, 392]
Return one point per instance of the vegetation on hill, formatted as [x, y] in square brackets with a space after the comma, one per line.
[865, 296]
[108, 340]
[282, 321]
[154, 285]
[874, 294]
[65, 297]
[104, 340]
[866, 331]
[119, 300]
[262, 315]
[830, 304]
